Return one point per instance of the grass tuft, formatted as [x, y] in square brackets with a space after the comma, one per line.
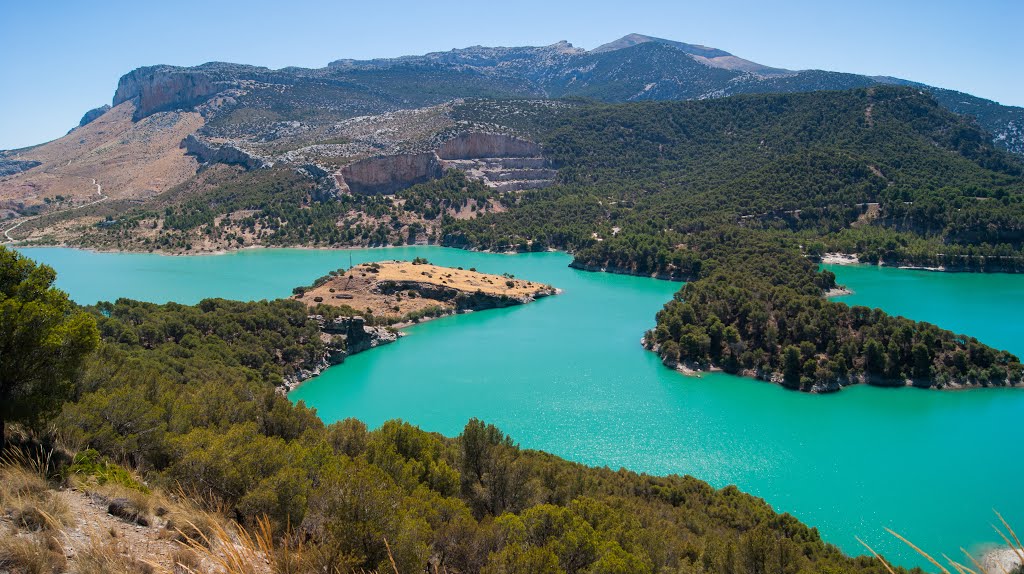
[35, 553]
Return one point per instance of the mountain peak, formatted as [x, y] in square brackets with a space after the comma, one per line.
[710, 56]
[630, 40]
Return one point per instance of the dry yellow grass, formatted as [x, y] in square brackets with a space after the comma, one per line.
[461, 279]
[18, 482]
[360, 287]
[32, 553]
[106, 555]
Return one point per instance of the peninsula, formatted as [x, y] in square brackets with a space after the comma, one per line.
[363, 307]
[400, 293]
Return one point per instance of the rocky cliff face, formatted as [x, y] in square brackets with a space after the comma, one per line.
[475, 145]
[461, 300]
[344, 336]
[326, 185]
[502, 162]
[162, 88]
[228, 154]
[388, 174]
[93, 114]
[357, 335]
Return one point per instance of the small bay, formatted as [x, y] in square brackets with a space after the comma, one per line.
[567, 374]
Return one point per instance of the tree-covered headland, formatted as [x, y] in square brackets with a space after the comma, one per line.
[185, 397]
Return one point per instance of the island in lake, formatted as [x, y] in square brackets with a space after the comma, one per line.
[364, 307]
[400, 293]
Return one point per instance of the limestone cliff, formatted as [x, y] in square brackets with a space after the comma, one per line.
[162, 88]
[93, 114]
[388, 174]
[357, 335]
[206, 152]
[474, 145]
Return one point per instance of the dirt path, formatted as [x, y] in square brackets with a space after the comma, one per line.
[99, 192]
[94, 524]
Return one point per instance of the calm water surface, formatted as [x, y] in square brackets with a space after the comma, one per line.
[567, 374]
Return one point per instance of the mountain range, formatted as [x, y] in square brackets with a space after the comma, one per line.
[632, 68]
[164, 122]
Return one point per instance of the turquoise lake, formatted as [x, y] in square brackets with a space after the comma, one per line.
[567, 375]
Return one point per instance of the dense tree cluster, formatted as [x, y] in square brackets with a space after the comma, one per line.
[44, 338]
[743, 323]
[272, 339]
[820, 165]
[885, 245]
[198, 412]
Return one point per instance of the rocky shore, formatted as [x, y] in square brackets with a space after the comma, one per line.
[342, 337]
[693, 369]
[396, 294]
[1003, 559]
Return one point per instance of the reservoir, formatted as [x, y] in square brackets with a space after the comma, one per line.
[567, 375]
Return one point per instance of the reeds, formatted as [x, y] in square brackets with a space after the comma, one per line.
[1008, 536]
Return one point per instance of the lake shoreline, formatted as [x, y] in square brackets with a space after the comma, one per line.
[849, 259]
[694, 370]
[581, 401]
[832, 258]
[233, 251]
[415, 292]
[1001, 559]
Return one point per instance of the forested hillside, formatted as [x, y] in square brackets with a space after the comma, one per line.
[186, 397]
[828, 164]
[678, 190]
[755, 307]
[741, 195]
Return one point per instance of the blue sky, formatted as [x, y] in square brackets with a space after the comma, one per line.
[59, 59]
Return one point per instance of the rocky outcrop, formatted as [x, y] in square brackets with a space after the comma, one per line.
[206, 152]
[522, 168]
[162, 88]
[503, 162]
[475, 145]
[388, 174]
[93, 114]
[461, 300]
[327, 186]
[342, 337]
[357, 335]
[13, 166]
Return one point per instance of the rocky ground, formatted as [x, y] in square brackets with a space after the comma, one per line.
[85, 527]
[1002, 560]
